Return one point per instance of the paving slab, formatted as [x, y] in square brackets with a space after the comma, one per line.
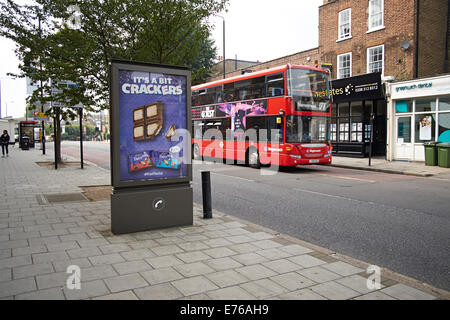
[263, 289]
[164, 291]
[194, 285]
[293, 281]
[231, 293]
[334, 291]
[158, 276]
[404, 292]
[126, 282]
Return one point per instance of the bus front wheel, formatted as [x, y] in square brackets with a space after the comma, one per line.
[253, 158]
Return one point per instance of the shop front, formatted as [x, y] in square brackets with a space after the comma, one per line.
[419, 112]
[354, 100]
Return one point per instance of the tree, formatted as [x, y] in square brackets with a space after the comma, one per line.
[53, 48]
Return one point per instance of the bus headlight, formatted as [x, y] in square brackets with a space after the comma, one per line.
[327, 156]
[295, 156]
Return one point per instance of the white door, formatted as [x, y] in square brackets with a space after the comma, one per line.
[403, 144]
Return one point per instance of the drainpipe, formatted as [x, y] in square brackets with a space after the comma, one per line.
[416, 58]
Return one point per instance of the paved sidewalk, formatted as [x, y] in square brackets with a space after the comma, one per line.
[401, 167]
[220, 258]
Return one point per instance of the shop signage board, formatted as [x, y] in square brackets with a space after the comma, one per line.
[364, 87]
[150, 147]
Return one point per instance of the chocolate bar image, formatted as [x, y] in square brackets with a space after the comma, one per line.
[153, 110]
[171, 132]
[153, 129]
[138, 114]
[139, 132]
[148, 121]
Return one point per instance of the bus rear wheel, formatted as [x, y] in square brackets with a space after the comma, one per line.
[253, 158]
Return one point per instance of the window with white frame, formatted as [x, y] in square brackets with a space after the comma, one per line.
[375, 59]
[376, 16]
[345, 24]
[344, 62]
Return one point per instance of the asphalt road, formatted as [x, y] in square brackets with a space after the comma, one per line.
[394, 221]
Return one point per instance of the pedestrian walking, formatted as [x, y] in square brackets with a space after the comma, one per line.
[4, 141]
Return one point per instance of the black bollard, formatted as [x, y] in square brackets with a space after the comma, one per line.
[206, 192]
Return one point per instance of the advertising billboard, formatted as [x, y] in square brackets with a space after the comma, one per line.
[151, 124]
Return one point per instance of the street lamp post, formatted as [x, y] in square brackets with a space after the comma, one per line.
[223, 44]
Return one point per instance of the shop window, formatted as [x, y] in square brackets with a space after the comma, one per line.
[356, 133]
[356, 108]
[444, 103]
[333, 130]
[444, 127]
[425, 127]
[403, 106]
[425, 105]
[344, 110]
[344, 130]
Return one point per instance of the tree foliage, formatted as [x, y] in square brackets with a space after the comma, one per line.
[51, 46]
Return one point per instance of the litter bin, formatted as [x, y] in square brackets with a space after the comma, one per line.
[431, 154]
[444, 155]
[25, 143]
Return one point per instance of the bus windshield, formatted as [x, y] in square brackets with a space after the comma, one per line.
[300, 129]
[309, 90]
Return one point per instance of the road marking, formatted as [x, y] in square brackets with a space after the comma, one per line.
[327, 195]
[405, 210]
[347, 178]
[224, 175]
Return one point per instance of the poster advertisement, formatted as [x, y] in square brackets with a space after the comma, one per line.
[153, 126]
[425, 128]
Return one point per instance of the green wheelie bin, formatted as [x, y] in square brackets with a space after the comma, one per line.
[444, 155]
[431, 154]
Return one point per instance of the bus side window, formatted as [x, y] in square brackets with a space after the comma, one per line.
[257, 88]
[229, 92]
[275, 85]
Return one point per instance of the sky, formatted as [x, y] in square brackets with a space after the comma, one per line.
[255, 30]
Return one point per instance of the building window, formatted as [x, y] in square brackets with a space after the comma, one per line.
[431, 119]
[344, 65]
[345, 24]
[376, 18]
[375, 59]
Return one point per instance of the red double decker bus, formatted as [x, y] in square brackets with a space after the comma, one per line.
[278, 116]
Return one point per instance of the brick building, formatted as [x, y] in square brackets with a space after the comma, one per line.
[231, 65]
[368, 42]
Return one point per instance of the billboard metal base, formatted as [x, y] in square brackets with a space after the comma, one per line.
[137, 210]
